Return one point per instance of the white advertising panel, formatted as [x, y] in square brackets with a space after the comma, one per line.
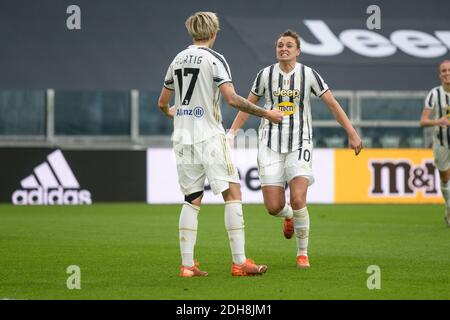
[162, 179]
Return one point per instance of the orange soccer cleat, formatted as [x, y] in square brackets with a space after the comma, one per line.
[288, 227]
[248, 268]
[188, 272]
[302, 261]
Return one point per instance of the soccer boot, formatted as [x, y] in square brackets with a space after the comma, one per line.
[302, 261]
[248, 268]
[288, 227]
[188, 272]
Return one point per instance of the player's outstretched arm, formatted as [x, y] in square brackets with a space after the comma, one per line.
[163, 102]
[335, 108]
[242, 117]
[240, 120]
[425, 120]
[238, 102]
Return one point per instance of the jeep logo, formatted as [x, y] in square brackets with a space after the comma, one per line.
[287, 93]
[402, 178]
[372, 44]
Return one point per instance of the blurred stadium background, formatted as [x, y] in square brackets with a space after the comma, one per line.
[79, 115]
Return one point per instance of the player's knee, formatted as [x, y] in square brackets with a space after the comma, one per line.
[274, 208]
[298, 201]
[193, 196]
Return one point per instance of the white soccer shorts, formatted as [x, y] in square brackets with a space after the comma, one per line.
[275, 169]
[441, 157]
[207, 159]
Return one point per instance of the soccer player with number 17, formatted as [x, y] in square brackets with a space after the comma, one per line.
[198, 76]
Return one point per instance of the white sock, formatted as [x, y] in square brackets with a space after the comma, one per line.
[234, 223]
[445, 189]
[286, 212]
[188, 233]
[301, 224]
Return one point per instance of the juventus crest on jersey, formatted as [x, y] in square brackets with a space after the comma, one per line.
[291, 94]
[438, 100]
[196, 74]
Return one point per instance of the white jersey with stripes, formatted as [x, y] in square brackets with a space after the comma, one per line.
[289, 92]
[196, 74]
[438, 101]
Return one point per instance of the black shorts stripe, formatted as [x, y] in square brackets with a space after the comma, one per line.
[319, 81]
[215, 54]
[300, 105]
[258, 80]
[439, 106]
[291, 117]
[269, 139]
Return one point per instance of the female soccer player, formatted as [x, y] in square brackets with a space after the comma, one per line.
[437, 107]
[197, 77]
[285, 150]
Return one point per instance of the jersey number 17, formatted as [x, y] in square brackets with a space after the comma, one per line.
[179, 73]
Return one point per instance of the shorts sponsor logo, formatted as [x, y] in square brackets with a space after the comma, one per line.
[51, 183]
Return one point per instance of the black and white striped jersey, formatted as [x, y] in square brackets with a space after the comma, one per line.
[290, 93]
[438, 100]
[196, 74]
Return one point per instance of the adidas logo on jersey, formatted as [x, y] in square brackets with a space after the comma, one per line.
[52, 182]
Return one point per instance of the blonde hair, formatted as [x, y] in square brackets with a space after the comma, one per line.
[202, 25]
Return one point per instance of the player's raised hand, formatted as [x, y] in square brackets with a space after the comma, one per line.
[355, 143]
[274, 115]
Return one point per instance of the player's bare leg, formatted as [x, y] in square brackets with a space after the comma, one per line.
[445, 189]
[234, 223]
[275, 202]
[298, 189]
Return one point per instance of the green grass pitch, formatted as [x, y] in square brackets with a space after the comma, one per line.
[130, 251]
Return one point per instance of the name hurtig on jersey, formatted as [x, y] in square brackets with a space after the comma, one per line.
[192, 59]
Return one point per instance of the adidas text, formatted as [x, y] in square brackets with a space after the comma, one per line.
[57, 196]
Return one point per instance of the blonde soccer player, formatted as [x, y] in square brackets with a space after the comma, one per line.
[436, 114]
[285, 150]
[197, 77]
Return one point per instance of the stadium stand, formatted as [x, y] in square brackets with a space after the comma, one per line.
[99, 85]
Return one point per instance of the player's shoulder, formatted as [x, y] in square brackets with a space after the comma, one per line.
[180, 55]
[308, 69]
[212, 54]
[268, 69]
[436, 88]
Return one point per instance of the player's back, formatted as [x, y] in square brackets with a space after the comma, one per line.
[196, 74]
